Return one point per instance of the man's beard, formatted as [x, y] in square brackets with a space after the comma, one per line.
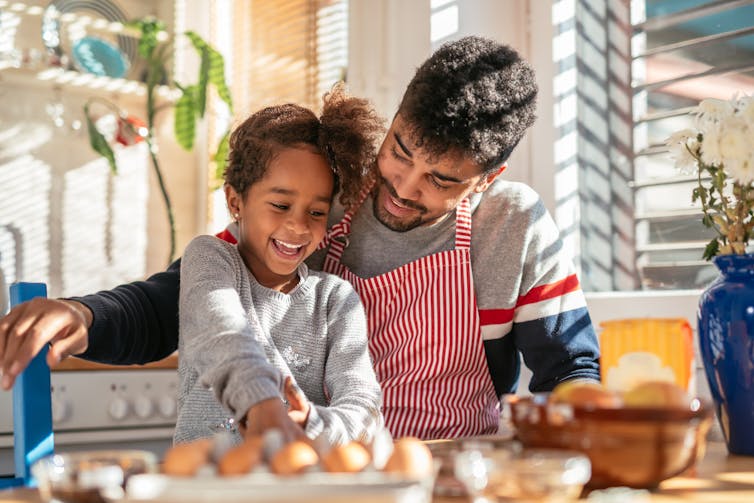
[391, 221]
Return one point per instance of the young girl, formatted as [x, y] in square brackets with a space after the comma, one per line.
[252, 315]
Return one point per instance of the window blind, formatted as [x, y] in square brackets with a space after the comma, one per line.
[682, 52]
[288, 51]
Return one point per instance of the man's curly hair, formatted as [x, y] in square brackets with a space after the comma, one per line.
[347, 134]
[473, 97]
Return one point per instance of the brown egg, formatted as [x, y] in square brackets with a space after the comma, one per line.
[242, 458]
[585, 394]
[662, 394]
[411, 458]
[184, 460]
[348, 458]
[293, 458]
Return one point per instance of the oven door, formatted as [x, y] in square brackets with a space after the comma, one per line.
[104, 407]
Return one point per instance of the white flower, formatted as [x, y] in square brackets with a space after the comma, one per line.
[710, 147]
[735, 145]
[711, 111]
[681, 144]
[745, 107]
[741, 170]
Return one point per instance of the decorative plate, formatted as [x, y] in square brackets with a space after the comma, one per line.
[59, 43]
[97, 56]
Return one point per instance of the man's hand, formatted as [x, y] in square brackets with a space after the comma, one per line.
[64, 324]
[269, 414]
[299, 406]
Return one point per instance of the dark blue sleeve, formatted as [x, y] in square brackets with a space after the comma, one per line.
[136, 322]
[557, 348]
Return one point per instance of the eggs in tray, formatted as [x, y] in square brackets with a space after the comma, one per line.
[406, 457]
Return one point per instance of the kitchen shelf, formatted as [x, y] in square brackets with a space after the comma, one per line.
[80, 83]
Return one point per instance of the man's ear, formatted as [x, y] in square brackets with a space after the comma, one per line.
[487, 179]
[234, 201]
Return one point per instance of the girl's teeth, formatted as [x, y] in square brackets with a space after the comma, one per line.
[287, 246]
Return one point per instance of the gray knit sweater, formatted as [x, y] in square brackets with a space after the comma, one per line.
[239, 339]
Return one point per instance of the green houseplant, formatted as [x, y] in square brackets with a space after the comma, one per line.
[157, 50]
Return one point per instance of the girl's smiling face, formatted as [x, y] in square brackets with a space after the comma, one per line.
[283, 216]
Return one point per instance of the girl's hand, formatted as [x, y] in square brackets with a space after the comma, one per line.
[299, 406]
[272, 414]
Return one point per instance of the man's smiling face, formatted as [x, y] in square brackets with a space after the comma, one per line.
[412, 191]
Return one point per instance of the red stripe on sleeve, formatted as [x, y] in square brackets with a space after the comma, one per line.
[495, 316]
[550, 291]
[225, 235]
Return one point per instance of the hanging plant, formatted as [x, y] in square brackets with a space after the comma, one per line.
[188, 108]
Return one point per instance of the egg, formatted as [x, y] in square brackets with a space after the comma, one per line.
[348, 458]
[662, 394]
[410, 458]
[293, 458]
[585, 394]
[184, 460]
[242, 458]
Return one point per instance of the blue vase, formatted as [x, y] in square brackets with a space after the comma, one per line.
[726, 341]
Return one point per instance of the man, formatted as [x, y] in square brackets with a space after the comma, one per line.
[459, 270]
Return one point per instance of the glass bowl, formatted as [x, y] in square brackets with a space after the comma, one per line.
[89, 476]
[501, 475]
[634, 447]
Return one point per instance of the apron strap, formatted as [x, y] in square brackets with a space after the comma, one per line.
[343, 228]
[463, 225]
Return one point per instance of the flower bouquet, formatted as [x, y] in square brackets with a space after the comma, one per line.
[720, 152]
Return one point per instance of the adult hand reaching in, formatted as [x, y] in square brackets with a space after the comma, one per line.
[64, 324]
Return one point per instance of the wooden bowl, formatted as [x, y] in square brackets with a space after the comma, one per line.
[634, 447]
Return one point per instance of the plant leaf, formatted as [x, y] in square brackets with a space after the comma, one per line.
[711, 249]
[185, 118]
[221, 156]
[216, 67]
[99, 143]
[201, 91]
[148, 27]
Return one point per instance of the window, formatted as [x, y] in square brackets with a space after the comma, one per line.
[292, 51]
[683, 51]
[286, 51]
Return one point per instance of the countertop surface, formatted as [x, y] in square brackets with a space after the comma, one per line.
[719, 478]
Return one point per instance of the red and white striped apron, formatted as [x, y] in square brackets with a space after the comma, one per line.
[425, 339]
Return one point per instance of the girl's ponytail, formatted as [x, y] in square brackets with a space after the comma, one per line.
[349, 136]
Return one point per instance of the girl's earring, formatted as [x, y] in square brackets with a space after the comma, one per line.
[236, 215]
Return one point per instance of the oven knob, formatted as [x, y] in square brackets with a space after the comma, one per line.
[143, 406]
[59, 410]
[118, 408]
[167, 406]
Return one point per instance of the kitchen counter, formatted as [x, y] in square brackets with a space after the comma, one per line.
[719, 478]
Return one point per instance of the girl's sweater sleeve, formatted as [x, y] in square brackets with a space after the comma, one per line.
[353, 412]
[216, 337]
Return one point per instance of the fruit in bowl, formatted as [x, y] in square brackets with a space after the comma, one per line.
[638, 441]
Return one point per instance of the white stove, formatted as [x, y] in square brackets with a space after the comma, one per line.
[99, 409]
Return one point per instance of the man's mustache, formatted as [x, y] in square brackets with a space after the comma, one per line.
[404, 202]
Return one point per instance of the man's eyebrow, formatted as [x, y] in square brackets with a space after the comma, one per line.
[402, 145]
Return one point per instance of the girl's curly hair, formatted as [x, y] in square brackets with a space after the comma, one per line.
[474, 97]
[347, 134]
